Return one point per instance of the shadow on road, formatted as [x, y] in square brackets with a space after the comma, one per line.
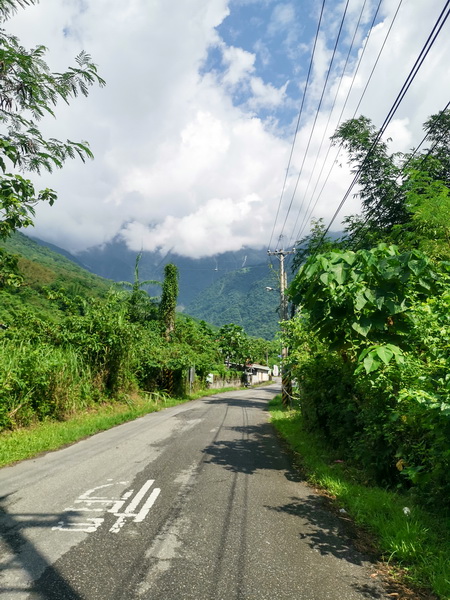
[24, 555]
[324, 532]
[247, 449]
[254, 448]
[247, 402]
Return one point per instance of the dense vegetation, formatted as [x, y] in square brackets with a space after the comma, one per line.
[370, 340]
[68, 339]
[242, 297]
[71, 339]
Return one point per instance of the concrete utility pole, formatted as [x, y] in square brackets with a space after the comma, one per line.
[286, 384]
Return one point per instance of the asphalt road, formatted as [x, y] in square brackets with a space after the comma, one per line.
[196, 502]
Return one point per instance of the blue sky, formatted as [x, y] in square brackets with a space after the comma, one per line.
[193, 132]
[278, 36]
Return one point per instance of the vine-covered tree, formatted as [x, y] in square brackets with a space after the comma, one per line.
[169, 298]
[29, 90]
[141, 307]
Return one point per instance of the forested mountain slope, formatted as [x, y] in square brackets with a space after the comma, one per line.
[241, 297]
[42, 269]
[226, 288]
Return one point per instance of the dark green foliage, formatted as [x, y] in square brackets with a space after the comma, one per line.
[10, 276]
[238, 348]
[30, 91]
[241, 297]
[67, 347]
[364, 292]
[393, 187]
[234, 344]
[379, 172]
[42, 275]
[169, 296]
[104, 338]
[370, 353]
[428, 201]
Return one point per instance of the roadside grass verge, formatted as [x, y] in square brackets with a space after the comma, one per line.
[414, 543]
[50, 435]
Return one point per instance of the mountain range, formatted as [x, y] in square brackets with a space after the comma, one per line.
[234, 287]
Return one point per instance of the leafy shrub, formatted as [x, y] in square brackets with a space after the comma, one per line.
[40, 381]
[371, 357]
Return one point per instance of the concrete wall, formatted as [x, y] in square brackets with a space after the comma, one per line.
[219, 383]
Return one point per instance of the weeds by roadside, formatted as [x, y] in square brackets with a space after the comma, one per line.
[50, 435]
[415, 543]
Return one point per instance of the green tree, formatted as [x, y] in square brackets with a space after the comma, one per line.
[234, 343]
[10, 275]
[379, 175]
[354, 299]
[29, 90]
[141, 307]
[169, 296]
[396, 190]
[428, 201]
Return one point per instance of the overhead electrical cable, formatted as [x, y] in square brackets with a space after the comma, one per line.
[291, 239]
[307, 217]
[298, 121]
[411, 76]
[316, 116]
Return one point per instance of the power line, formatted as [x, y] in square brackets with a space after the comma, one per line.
[326, 128]
[298, 121]
[411, 76]
[317, 115]
[306, 217]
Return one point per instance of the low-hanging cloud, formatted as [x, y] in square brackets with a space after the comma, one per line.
[191, 158]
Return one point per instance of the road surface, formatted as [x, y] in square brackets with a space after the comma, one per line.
[195, 502]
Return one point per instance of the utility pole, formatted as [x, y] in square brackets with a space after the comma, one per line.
[286, 384]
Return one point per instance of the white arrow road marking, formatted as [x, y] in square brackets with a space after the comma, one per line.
[89, 527]
[129, 511]
[91, 502]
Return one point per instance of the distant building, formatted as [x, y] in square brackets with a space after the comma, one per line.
[257, 373]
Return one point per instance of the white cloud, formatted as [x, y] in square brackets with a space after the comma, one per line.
[282, 19]
[192, 234]
[178, 163]
[265, 95]
[239, 64]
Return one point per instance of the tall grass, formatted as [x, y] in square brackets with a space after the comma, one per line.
[406, 534]
[40, 381]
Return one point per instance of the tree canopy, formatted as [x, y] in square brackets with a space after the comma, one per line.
[29, 91]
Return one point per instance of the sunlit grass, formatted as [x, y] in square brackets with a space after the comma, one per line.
[406, 535]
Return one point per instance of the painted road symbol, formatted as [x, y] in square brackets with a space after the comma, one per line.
[94, 501]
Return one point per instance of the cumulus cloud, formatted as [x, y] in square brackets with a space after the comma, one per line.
[190, 158]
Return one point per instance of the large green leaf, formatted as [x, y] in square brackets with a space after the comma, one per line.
[360, 301]
[385, 353]
[362, 329]
[371, 363]
[339, 273]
